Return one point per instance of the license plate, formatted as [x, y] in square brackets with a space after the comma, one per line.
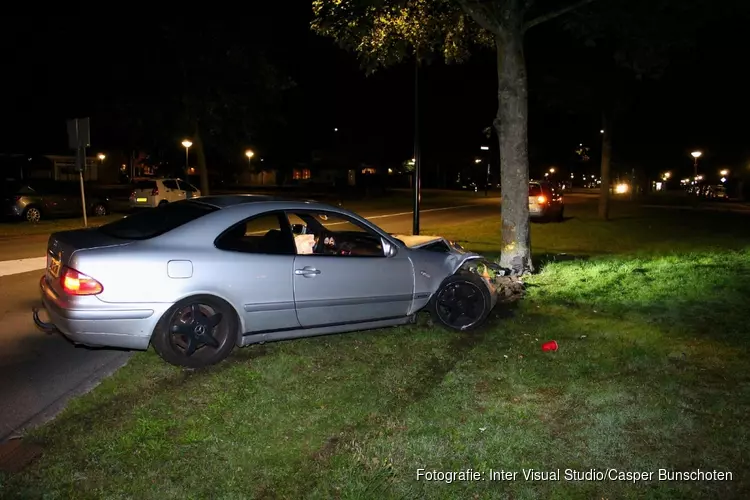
[141, 200]
[53, 266]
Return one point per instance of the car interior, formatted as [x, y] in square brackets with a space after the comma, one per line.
[311, 237]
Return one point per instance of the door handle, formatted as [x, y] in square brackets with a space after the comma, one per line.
[307, 271]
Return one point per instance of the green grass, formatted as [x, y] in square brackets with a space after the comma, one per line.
[652, 373]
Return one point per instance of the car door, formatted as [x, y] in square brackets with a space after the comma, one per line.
[52, 198]
[172, 191]
[259, 256]
[346, 286]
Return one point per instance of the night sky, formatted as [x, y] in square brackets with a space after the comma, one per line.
[55, 68]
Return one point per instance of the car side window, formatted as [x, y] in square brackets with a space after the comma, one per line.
[329, 233]
[186, 186]
[170, 184]
[263, 234]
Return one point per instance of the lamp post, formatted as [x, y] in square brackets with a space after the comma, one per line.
[187, 143]
[695, 155]
[487, 180]
[249, 153]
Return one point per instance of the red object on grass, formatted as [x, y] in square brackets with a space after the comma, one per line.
[550, 346]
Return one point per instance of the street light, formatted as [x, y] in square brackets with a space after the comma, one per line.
[487, 180]
[249, 153]
[695, 155]
[724, 172]
[101, 156]
[552, 170]
[186, 144]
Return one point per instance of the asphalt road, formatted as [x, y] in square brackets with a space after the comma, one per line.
[40, 372]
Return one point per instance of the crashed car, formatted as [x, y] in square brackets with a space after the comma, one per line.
[196, 278]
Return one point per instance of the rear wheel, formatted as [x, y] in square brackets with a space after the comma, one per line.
[100, 210]
[163, 202]
[196, 332]
[463, 302]
[32, 214]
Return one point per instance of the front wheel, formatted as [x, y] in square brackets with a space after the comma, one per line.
[32, 214]
[100, 210]
[463, 302]
[196, 332]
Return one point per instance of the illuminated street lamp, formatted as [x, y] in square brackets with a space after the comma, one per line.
[724, 172]
[249, 153]
[101, 156]
[552, 170]
[186, 144]
[695, 155]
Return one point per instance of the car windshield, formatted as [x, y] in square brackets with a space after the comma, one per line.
[535, 190]
[156, 221]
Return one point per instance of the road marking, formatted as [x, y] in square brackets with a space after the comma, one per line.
[18, 266]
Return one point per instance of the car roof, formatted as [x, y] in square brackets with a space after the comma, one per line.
[229, 200]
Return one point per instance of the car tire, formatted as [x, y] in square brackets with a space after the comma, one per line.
[162, 203]
[32, 214]
[100, 210]
[465, 286]
[170, 337]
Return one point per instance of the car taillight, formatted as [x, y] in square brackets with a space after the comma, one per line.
[132, 195]
[541, 199]
[75, 283]
[155, 192]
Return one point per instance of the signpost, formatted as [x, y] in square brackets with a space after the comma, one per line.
[79, 138]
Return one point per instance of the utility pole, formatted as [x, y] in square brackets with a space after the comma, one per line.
[417, 184]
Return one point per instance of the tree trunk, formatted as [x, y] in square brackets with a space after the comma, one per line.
[511, 125]
[606, 158]
[200, 154]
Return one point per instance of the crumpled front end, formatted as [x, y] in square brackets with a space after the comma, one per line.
[435, 258]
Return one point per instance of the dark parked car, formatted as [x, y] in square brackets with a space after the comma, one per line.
[35, 200]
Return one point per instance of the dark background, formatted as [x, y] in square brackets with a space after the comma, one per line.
[56, 68]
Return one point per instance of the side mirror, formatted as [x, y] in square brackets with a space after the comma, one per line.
[299, 229]
[389, 250]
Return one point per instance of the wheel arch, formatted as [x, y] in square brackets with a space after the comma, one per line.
[239, 322]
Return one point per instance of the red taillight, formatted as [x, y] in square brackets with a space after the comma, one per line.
[132, 195]
[75, 283]
[541, 199]
[155, 192]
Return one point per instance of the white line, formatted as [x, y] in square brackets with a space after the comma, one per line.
[9, 267]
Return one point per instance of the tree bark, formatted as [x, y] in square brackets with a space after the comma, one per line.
[511, 125]
[200, 154]
[605, 167]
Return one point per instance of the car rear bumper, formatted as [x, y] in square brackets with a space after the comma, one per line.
[123, 328]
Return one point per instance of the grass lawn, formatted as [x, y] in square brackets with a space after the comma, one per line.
[400, 200]
[652, 373]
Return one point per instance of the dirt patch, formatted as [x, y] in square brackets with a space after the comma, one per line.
[15, 455]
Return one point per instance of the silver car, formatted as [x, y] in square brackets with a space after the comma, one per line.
[198, 277]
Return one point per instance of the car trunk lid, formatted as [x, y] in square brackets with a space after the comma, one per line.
[63, 246]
